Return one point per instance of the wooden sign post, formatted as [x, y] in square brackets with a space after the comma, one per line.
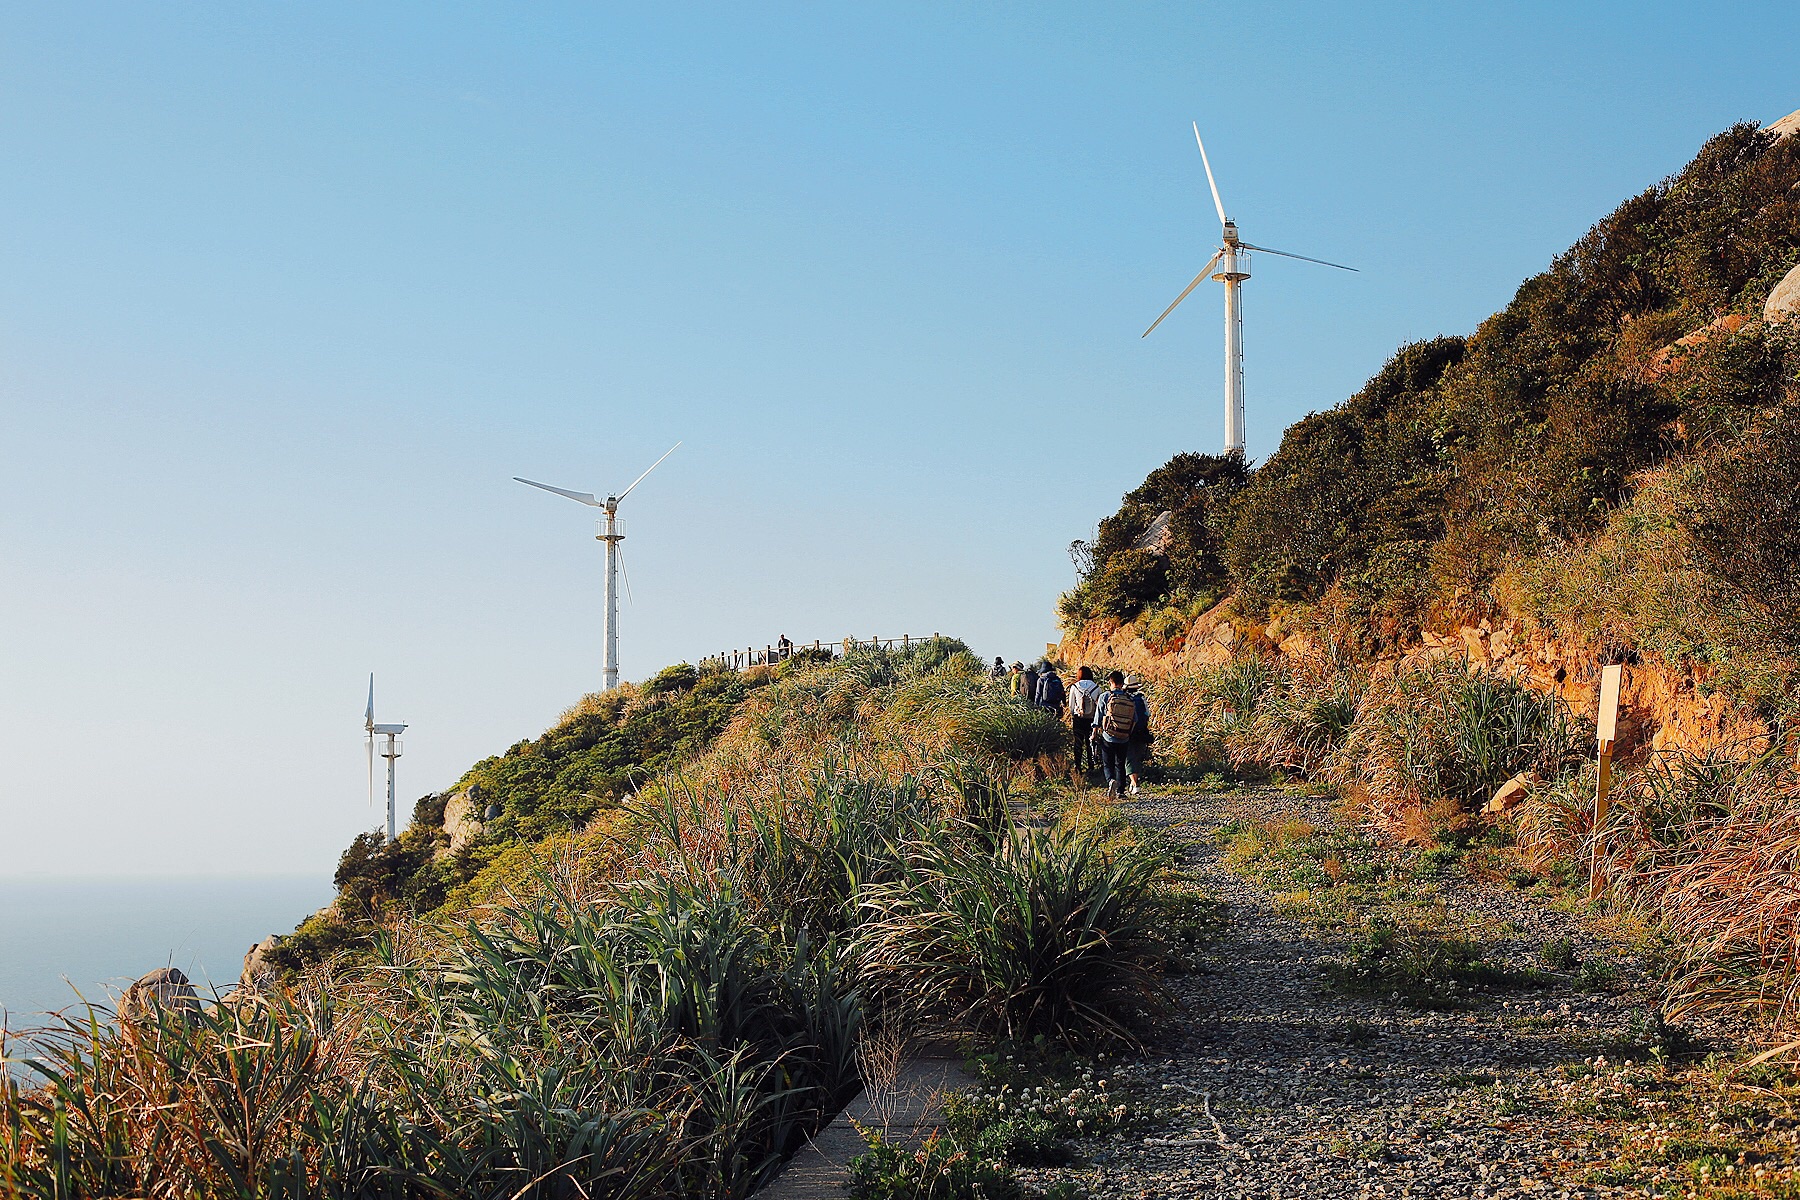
[1608, 726]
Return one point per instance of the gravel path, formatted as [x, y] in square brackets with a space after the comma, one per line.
[1281, 1087]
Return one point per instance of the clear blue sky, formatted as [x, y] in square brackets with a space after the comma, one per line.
[288, 293]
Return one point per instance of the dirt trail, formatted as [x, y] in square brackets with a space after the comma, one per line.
[1280, 1086]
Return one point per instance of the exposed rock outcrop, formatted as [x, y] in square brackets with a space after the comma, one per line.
[258, 974]
[167, 989]
[1784, 302]
[462, 822]
[1787, 126]
[1662, 706]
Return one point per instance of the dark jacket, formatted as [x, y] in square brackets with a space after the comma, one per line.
[1050, 690]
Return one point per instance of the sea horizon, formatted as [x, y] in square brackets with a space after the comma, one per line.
[69, 938]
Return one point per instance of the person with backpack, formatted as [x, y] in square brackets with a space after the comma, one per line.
[1050, 691]
[1084, 702]
[1121, 716]
[999, 671]
[1015, 681]
[1028, 685]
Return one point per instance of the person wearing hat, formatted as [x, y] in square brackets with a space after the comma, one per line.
[1137, 750]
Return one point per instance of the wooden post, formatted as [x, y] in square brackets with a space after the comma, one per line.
[905, 640]
[1611, 678]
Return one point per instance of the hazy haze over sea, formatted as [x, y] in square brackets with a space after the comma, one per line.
[103, 933]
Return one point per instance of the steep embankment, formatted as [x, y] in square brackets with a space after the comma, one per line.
[1663, 705]
[1606, 470]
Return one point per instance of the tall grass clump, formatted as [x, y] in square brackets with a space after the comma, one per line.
[1197, 715]
[660, 1044]
[1302, 721]
[664, 1002]
[1708, 846]
[1432, 741]
[1043, 934]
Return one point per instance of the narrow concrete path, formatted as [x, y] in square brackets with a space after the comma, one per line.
[906, 1111]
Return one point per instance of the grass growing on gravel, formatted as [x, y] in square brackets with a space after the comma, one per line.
[1037, 1106]
[1717, 1128]
[1404, 943]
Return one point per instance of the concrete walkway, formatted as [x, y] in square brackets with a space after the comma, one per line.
[907, 1111]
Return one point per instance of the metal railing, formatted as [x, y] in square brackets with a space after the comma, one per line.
[781, 651]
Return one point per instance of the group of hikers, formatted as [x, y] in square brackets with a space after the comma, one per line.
[1111, 722]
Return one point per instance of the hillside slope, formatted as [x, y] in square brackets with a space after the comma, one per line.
[1610, 458]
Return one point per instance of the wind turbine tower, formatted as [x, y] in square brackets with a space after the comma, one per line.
[1233, 262]
[391, 751]
[612, 534]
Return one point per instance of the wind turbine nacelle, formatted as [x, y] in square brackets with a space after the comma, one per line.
[1231, 233]
[387, 730]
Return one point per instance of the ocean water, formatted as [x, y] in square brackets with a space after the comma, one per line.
[96, 936]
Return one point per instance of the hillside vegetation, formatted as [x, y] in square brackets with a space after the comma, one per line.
[1612, 461]
[1632, 391]
[662, 995]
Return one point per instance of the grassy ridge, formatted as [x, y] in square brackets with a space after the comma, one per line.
[665, 1001]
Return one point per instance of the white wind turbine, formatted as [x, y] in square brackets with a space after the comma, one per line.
[391, 751]
[612, 535]
[1233, 261]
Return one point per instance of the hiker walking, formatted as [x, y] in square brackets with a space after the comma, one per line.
[1050, 692]
[1084, 702]
[999, 671]
[1137, 750]
[1121, 714]
[784, 648]
[1015, 681]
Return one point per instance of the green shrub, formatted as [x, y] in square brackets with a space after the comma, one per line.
[1746, 521]
[1421, 967]
[937, 1170]
[1440, 731]
[1043, 934]
[1119, 577]
[678, 678]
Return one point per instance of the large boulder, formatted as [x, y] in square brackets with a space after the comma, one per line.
[258, 974]
[1787, 126]
[1784, 301]
[462, 821]
[167, 990]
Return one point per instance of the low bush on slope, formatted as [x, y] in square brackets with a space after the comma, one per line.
[1465, 457]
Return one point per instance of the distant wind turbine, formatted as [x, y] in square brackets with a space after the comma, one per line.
[612, 535]
[391, 751]
[1233, 262]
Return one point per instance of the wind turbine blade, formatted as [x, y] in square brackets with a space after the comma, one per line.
[653, 466]
[369, 713]
[1204, 272]
[1207, 163]
[583, 497]
[1301, 257]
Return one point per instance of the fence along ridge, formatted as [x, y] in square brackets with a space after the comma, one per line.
[775, 652]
